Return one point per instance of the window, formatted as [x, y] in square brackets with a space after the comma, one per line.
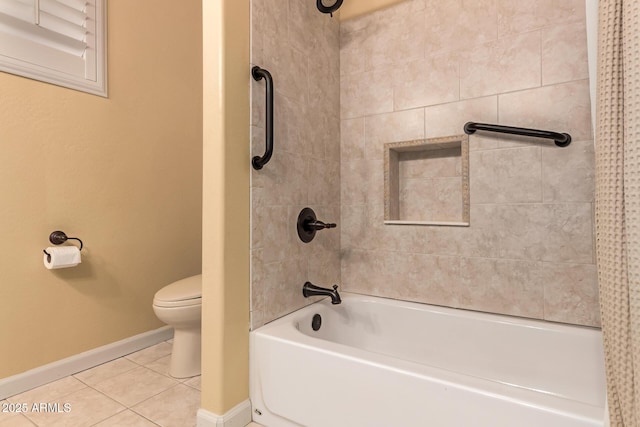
[56, 41]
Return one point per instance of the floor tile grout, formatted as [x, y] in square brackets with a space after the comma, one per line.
[129, 410]
[87, 384]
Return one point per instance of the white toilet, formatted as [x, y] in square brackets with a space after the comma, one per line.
[180, 305]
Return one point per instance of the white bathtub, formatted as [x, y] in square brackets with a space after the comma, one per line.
[378, 362]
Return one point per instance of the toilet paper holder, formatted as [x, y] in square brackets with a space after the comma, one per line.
[58, 238]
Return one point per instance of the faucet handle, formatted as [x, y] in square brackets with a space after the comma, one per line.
[308, 225]
[335, 287]
[318, 225]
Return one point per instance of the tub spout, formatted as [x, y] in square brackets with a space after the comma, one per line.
[309, 290]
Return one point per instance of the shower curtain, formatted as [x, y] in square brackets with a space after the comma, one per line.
[618, 204]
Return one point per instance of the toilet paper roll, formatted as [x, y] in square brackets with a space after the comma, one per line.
[62, 257]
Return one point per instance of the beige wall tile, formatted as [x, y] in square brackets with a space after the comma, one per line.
[272, 15]
[352, 51]
[375, 186]
[258, 102]
[292, 129]
[258, 145]
[425, 278]
[352, 139]
[569, 233]
[531, 203]
[362, 181]
[353, 230]
[390, 36]
[270, 225]
[430, 163]
[568, 174]
[449, 119]
[546, 232]
[360, 271]
[322, 139]
[482, 237]
[366, 93]
[435, 240]
[324, 177]
[324, 267]
[353, 184]
[571, 293]
[324, 84]
[506, 176]
[391, 237]
[563, 107]
[430, 81]
[393, 41]
[503, 286]
[458, 24]
[284, 280]
[357, 24]
[301, 17]
[288, 67]
[402, 9]
[392, 127]
[505, 65]
[285, 179]
[516, 16]
[401, 275]
[268, 19]
[301, 49]
[483, 142]
[257, 289]
[435, 199]
[564, 53]
[332, 139]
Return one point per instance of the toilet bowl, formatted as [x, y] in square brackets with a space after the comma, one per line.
[179, 304]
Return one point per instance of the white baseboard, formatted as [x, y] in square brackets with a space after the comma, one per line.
[71, 365]
[238, 416]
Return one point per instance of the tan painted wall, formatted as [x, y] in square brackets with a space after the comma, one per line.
[123, 174]
[225, 316]
[353, 8]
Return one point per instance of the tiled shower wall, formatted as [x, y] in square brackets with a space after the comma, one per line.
[423, 68]
[299, 46]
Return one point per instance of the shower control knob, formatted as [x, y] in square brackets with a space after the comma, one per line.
[308, 225]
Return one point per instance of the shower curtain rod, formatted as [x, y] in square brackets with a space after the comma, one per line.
[561, 139]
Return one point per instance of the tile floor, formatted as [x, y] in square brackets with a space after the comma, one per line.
[135, 390]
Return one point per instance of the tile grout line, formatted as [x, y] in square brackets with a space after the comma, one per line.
[122, 406]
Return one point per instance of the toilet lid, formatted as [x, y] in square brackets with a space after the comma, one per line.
[182, 290]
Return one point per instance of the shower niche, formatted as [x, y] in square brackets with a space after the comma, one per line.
[426, 182]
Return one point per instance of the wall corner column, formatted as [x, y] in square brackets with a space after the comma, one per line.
[226, 216]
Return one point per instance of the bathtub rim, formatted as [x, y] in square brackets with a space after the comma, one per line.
[285, 330]
[458, 311]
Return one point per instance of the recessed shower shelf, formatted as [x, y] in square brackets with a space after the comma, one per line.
[427, 182]
[442, 223]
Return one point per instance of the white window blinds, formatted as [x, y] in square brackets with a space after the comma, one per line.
[57, 41]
